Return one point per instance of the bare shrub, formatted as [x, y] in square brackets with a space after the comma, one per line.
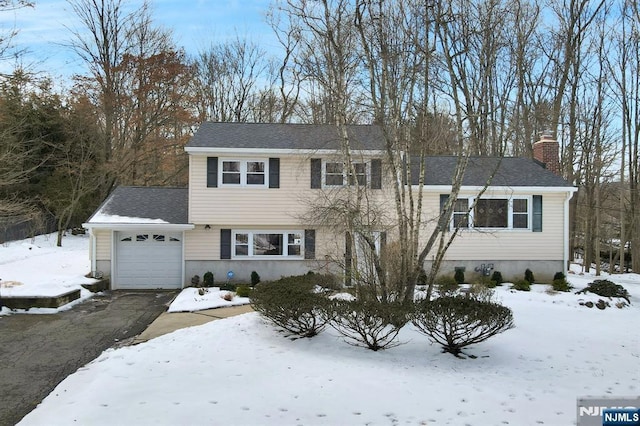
[457, 322]
[367, 323]
[291, 304]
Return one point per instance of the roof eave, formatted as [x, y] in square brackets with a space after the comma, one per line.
[502, 188]
[278, 151]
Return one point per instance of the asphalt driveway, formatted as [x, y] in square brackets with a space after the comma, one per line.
[39, 351]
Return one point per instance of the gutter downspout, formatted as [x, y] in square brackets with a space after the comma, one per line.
[565, 255]
[94, 247]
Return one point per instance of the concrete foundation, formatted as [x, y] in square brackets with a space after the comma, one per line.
[269, 270]
[543, 270]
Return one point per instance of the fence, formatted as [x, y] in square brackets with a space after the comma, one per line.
[21, 229]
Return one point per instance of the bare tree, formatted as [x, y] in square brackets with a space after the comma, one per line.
[7, 35]
[625, 67]
[228, 76]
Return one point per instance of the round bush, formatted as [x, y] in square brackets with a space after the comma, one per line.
[457, 322]
[522, 285]
[291, 304]
[368, 323]
[497, 277]
[243, 291]
[207, 279]
[561, 284]
[528, 276]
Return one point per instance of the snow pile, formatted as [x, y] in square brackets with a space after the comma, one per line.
[190, 299]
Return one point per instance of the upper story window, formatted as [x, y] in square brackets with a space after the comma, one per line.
[243, 172]
[234, 172]
[493, 213]
[338, 174]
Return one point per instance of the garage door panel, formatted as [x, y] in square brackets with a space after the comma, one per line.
[148, 260]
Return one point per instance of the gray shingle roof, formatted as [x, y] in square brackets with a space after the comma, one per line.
[284, 136]
[511, 172]
[167, 204]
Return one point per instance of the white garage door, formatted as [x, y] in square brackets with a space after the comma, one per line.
[148, 260]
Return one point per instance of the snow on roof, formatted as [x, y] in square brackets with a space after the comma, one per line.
[100, 217]
[143, 205]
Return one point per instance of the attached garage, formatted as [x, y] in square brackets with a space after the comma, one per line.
[146, 229]
[147, 260]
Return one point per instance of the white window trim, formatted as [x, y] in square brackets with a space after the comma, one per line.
[509, 228]
[285, 248]
[345, 177]
[243, 172]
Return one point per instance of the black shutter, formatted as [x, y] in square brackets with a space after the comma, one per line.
[316, 173]
[405, 177]
[225, 244]
[383, 241]
[212, 172]
[309, 243]
[347, 259]
[443, 201]
[274, 173]
[537, 213]
[376, 174]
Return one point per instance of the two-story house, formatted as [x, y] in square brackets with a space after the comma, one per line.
[253, 189]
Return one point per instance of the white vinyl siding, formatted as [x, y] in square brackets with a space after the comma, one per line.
[103, 244]
[241, 206]
[474, 244]
[244, 207]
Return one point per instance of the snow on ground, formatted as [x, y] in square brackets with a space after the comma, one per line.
[241, 371]
[37, 267]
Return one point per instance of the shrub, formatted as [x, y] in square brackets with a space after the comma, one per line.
[607, 288]
[228, 287]
[486, 282]
[328, 281]
[368, 323]
[522, 285]
[457, 322]
[481, 292]
[559, 276]
[497, 277]
[447, 285]
[561, 284]
[243, 291]
[255, 278]
[422, 277]
[207, 279]
[528, 276]
[291, 304]
[195, 280]
[458, 275]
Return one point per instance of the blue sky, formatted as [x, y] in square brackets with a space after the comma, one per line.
[195, 24]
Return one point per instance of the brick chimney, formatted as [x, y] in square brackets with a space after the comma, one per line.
[546, 152]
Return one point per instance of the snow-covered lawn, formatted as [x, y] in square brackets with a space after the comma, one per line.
[241, 371]
[36, 267]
